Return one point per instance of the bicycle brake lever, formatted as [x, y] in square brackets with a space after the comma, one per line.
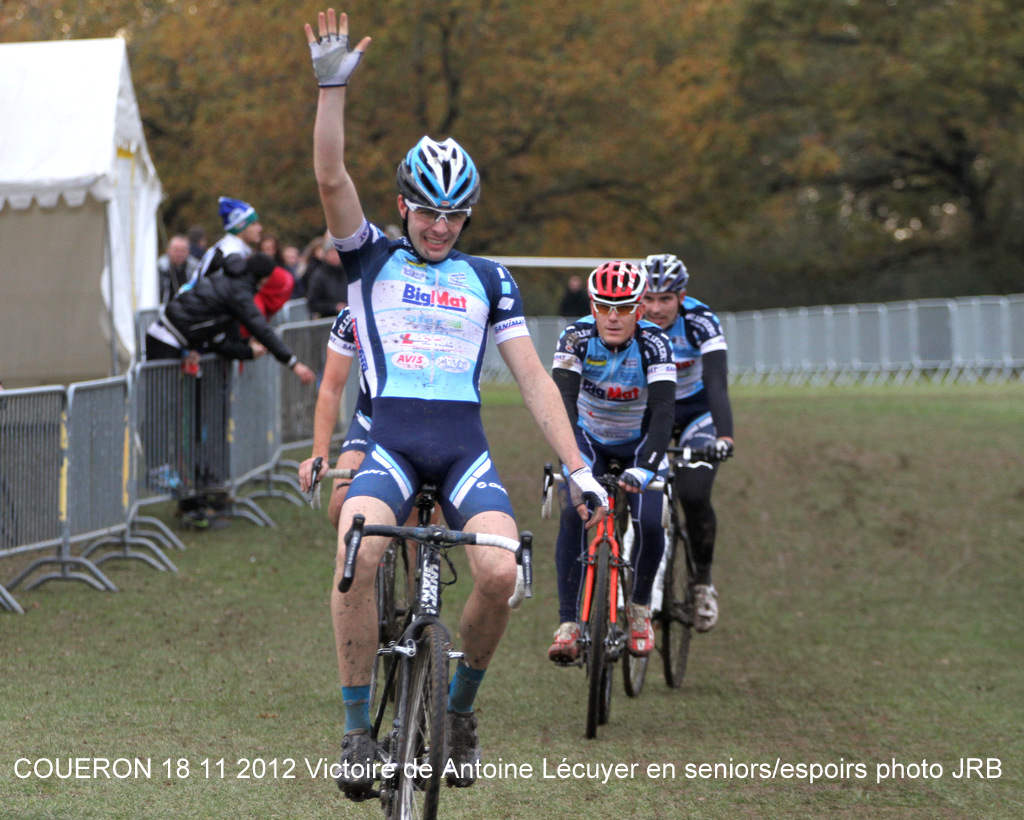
[352, 539]
[314, 486]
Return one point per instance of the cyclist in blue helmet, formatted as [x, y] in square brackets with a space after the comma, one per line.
[422, 311]
[703, 410]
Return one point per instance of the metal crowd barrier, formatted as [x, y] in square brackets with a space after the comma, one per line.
[544, 332]
[102, 494]
[35, 500]
[967, 339]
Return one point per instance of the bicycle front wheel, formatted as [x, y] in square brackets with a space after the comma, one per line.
[421, 730]
[393, 591]
[599, 680]
[676, 611]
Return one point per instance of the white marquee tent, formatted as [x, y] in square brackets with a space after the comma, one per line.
[78, 212]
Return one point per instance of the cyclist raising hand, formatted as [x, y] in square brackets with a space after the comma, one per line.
[422, 310]
[617, 380]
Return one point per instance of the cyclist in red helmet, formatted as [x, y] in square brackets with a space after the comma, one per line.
[617, 379]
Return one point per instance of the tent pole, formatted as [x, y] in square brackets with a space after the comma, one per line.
[109, 253]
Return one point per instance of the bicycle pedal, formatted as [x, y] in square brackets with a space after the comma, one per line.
[454, 655]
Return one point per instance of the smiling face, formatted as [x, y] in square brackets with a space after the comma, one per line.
[432, 238]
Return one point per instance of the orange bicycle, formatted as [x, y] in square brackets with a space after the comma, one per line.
[607, 590]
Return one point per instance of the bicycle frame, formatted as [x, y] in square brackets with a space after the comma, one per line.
[605, 531]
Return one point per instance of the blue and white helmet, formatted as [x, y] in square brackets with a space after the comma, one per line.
[439, 175]
[665, 273]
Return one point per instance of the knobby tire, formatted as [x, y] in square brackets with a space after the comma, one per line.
[422, 729]
[597, 626]
[676, 611]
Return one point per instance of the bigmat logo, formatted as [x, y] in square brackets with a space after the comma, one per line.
[415, 295]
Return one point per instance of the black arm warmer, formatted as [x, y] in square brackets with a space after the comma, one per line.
[716, 380]
[661, 404]
[568, 384]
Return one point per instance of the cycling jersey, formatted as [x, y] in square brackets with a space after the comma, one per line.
[422, 327]
[421, 331]
[696, 331]
[612, 399]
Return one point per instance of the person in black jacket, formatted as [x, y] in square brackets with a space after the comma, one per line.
[204, 317]
[326, 283]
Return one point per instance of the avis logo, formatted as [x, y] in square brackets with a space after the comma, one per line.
[410, 361]
[415, 295]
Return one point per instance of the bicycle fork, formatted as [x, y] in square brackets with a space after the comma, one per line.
[616, 637]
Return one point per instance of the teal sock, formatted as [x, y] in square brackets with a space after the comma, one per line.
[357, 707]
[462, 690]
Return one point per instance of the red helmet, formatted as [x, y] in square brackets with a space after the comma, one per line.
[617, 283]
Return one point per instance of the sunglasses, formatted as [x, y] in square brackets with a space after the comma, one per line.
[618, 310]
[433, 215]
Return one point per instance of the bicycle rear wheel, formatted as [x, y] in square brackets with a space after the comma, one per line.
[677, 610]
[599, 680]
[421, 731]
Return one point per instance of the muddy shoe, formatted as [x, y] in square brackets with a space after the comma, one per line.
[705, 607]
[463, 749]
[358, 750]
[566, 647]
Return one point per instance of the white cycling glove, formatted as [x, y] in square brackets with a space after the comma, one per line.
[333, 63]
[722, 449]
[584, 489]
[637, 477]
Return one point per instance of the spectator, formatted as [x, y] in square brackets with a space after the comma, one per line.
[197, 242]
[308, 260]
[175, 267]
[242, 235]
[206, 316]
[270, 245]
[290, 258]
[575, 302]
[326, 286]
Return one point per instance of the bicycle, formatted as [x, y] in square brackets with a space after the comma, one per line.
[675, 615]
[607, 590]
[410, 673]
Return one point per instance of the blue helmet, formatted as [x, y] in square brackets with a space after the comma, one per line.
[439, 175]
[665, 273]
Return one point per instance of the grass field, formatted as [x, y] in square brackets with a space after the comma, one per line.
[871, 595]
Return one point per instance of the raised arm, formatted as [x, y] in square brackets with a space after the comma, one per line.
[333, 64]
